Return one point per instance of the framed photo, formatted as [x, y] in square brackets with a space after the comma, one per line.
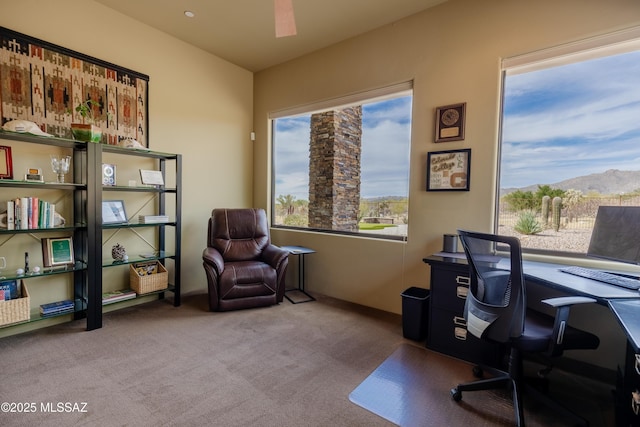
[450, 122]
[57, 251]
[448, 170]
[113, 212]
[6, 162]
[151, 177]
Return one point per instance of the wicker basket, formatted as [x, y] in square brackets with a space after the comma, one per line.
[149, 283]
[16, 310]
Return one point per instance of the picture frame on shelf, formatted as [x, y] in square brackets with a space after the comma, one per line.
[57, 251]
[450, 122]
[6, 162]
[151, 177]
[449, 170]
[113, 212]
[108, 174]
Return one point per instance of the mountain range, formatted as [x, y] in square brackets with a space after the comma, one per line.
[613, 181]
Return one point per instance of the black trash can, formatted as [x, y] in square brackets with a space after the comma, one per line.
[415, 313]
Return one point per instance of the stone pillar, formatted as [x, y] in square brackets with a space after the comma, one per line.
[334, 169]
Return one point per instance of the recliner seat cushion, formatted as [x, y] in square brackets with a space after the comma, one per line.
[243, 279]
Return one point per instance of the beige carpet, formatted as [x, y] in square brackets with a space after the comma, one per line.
[410, 388]
[289, 365]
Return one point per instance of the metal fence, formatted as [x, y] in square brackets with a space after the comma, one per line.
[578, 215]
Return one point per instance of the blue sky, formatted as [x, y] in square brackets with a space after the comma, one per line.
[386, 136]
[570, 121]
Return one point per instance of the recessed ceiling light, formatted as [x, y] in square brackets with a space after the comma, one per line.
[189, 14]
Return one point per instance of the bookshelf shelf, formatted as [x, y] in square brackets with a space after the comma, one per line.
[86, 228]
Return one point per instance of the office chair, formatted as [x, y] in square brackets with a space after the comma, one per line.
[496, 310]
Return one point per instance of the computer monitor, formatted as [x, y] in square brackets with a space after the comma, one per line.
[616, 234]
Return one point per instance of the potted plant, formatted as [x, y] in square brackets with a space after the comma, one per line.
[86, 131]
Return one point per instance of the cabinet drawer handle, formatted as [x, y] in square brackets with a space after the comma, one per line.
[459, 321]
[462, 280]
[460, 333]
[635, 401]
[462, 291]
[637, 365]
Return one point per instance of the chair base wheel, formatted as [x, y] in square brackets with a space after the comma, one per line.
[477, 371]
[456, 394]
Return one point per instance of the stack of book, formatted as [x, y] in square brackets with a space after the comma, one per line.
[151, 219]
[57, 307]
[25, 213]
[119, 295]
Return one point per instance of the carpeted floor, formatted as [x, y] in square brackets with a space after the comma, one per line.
[286, 365]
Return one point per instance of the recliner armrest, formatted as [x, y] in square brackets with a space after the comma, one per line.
[214, 258]
[274, 255]
[563, 306]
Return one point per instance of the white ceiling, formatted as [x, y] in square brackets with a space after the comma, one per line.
[243, 31]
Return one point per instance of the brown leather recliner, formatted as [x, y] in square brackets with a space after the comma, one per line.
[244, 270]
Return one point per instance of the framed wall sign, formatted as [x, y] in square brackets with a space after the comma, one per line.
[6, 162]
[448, 170]
[450, 122]
[113, 212]
[57, 251]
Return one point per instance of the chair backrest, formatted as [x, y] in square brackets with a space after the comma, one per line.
[496, 304]
[238, 234]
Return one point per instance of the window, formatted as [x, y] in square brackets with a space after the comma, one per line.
[343, 166]
[570, 140]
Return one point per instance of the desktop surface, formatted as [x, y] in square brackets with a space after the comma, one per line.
[551, 275]
[628, 315]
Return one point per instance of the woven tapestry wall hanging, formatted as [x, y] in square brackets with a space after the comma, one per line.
[44, 83]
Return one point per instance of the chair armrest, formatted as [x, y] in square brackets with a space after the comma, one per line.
[274, 255]
[213, 258]
[562, 301]
[563, 306]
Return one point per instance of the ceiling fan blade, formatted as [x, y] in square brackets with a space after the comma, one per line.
[285, 21]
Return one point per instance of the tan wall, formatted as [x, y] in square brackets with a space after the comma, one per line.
[452, 52]
[199, 105]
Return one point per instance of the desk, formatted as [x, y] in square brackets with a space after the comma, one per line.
[300, 252]
[624, 304]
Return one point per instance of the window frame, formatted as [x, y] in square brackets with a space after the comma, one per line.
[615, 43]
[397, 90]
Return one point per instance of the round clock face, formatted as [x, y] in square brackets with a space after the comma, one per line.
[450, 117]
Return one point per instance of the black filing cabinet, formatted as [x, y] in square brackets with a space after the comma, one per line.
[447, 327]
[628, 390]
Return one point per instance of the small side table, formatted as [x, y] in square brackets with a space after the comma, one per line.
[300, 252]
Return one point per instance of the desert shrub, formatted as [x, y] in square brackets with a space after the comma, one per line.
[528, 223]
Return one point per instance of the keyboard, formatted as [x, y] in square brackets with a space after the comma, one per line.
[604, 277]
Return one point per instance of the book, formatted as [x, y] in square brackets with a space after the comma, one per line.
[118, 295]
[11, 289]
[11, 211]
[34, 212]
[56, 307]
[24, 213]
[151, 219]
[17, 215]
[52, 215]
